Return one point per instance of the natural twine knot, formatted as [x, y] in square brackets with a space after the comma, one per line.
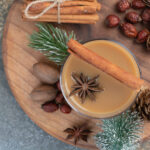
[55, 2]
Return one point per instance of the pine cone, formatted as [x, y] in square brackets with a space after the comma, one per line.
[147, 2]
[142, 104]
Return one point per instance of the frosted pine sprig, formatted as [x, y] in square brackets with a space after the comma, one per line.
[122, 132]
[52, 42]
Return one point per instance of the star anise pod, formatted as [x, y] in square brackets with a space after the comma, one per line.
[77, 133]
[85, 86]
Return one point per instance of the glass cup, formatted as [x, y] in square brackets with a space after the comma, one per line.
[78, 109]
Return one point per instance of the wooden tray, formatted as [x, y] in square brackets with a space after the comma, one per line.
[18, 59]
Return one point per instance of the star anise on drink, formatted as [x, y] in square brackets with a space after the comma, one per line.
[77, 133]
[84, 86]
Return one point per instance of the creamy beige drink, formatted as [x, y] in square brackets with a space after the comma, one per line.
[115, 97]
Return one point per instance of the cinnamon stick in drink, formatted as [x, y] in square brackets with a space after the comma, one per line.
[104, 65]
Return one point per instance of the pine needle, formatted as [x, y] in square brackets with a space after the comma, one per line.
[120, 133]
[52, 42]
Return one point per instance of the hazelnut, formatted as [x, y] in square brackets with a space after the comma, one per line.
[112, 21]
[138, 4]
[133, 17]
[142, 36]
[129, 30]
[146, 15]
[123, 5]
[50, 107]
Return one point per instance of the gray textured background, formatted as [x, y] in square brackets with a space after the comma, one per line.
[17, 131]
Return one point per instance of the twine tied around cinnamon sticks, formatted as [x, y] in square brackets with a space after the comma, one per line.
[55, 2]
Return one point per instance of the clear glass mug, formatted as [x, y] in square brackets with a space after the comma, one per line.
[77, 109]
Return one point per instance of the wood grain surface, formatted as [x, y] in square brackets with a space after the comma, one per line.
[18, 60]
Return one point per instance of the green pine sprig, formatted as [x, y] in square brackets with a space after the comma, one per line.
[52, 42]
[120, 133]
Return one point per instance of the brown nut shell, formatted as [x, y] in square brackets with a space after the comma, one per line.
[43, 93]
[59, 98]
[65, 108]
[58, 85]
[50, 107]
[138, 4]
[46, 73]
[146, 15]
[123, 5]
[142, 36]
[133, 17]
[112, 21]
[129, 30]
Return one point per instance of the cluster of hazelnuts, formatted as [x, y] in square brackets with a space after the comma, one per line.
[133, 17]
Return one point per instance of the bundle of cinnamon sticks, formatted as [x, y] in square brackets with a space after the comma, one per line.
[72, 11]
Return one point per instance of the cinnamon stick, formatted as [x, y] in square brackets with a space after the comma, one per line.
[64, 21]
[84, 19]
[75, 10]
[104, 65]
[42, 6]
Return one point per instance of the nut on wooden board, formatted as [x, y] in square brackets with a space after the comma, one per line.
[43, 93]
[45, 73]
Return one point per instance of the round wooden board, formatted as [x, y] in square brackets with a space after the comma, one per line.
[18, 60]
